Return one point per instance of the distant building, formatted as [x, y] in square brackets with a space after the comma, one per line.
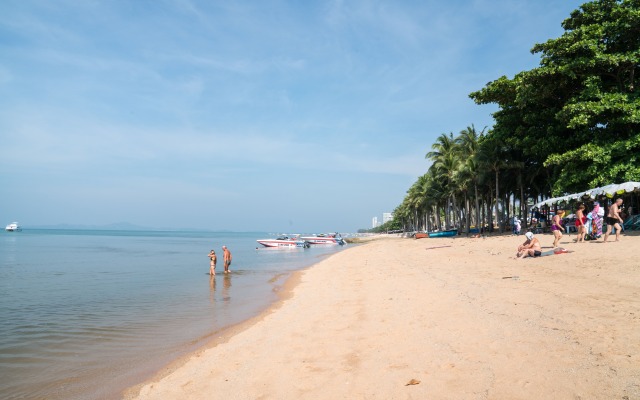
[386, 217]
[374, 222]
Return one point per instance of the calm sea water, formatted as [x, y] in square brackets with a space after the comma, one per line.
[85, 314]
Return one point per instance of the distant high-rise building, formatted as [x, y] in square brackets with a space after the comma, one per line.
[374, 222]
[386, 217]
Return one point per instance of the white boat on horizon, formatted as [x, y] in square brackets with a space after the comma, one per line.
[284, 241]
[325, 238]
[13, 227]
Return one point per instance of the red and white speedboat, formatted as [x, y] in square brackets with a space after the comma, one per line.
[284, 241]
[322, 238]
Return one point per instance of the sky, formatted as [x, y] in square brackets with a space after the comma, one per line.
[276, 116]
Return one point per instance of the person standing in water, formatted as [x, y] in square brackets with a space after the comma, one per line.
[227, 259]
[212, 263]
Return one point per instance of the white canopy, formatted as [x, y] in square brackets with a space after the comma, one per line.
[608, 191]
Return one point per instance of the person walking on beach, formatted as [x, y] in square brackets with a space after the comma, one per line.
[556, 227]
[227, 259]
[581, 219]
[213, 259]
[614, 220]
[516, 225]
[530, 248]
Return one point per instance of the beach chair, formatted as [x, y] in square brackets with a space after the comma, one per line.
[632, 223]
[541, 227]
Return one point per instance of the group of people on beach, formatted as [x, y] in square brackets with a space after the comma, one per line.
[532, 248]
[213, 259]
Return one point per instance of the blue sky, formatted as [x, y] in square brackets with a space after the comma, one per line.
[290, 116]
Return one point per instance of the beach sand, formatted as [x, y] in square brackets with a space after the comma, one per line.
[458, 318]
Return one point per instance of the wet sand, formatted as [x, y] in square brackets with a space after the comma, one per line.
[437, 319]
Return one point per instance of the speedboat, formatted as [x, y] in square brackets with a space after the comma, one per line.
[13, 227]
[284, 241]
[324, 238]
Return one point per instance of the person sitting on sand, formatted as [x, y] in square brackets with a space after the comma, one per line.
[556, 227]
[530, 248]
[214, 260]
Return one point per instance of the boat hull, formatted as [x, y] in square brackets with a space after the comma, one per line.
[316, 240]
[13, 227]
[283, 243]
[449, 233]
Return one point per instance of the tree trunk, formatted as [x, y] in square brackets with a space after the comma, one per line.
[506, 211]
[475, 187]
[498, 220]
[523, 205]
[468, 213]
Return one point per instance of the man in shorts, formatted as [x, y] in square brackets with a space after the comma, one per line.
[227, 259]
[614, 220]
[530, 248]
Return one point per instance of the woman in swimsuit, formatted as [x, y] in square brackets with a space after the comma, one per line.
[581, 219]
[557, 228]
[212, 262]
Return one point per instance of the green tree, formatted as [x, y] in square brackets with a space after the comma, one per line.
[582, 99]
[445, 158]
[468, 142]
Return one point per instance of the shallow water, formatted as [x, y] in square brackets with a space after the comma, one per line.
[86, 314]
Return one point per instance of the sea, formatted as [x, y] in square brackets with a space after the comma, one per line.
[85, 314]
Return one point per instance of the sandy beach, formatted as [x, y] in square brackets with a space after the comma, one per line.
[434, 319]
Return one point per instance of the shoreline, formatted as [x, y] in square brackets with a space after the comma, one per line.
[284, 292]
[216, 338]
[458, 315]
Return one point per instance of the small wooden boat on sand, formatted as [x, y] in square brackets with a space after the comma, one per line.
[448, 233]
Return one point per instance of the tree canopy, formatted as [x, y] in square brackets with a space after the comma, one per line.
[580, 108]
[569, 124]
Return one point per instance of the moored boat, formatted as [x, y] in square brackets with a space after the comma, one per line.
[448, 233]
[421, 235]
[284, 241]
[13, 227]
[324, 238]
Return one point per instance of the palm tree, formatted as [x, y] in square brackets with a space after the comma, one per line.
[468, 141]
[445, 162]
[492, 157]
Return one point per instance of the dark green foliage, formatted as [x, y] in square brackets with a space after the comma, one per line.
[581, 104]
